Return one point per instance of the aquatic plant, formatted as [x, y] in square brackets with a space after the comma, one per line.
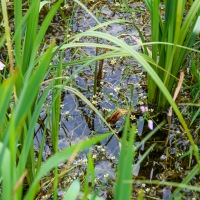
[21, 103]
[172, 33]
[25, 85]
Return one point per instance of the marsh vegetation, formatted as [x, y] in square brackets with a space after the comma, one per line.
[99, 99]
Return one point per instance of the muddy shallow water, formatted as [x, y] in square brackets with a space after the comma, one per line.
[116, 78]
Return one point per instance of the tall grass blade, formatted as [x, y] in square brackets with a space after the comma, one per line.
[30, 36]
[177, 29]
[31, 87]
[124, 170]
[28, 141]
[88, 11]
[18, 19]
[7, 33]
[6, 89]
[56, 100]
[73, 191]
[5, 172]
[90, 176]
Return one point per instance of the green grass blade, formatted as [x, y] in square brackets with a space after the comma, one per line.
[6, 89]
[88, 11]
[56, 100]
[40, 35]
[73, 191]
[124, 170]
[5, 172]
[7, 34]
[43, 29]
[153, 75]
[30, 36]
[18, 19]
[31, 87]
[189, 177]
[90, 176]
[194, 10]
[195, 116]
[30, 132]
[28, 141]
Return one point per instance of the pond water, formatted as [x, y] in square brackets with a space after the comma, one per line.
[116, 77]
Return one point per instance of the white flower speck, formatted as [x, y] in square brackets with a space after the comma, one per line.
[143, 184]
[132, 117]
[117, 89]
[67, 113]
[147, 190]
[99, 147]
[1, 66]
[94, 102]
[112, 158]
[94, 156]
[106, 175]
[141, 102]
[113, 61]
[77, 40]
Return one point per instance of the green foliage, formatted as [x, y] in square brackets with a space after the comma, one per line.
[90, 177]
[21, 102]
[5, 172]
[23, 84]
[73, 190]
[123, 186]
[130, 51]
[177, 29]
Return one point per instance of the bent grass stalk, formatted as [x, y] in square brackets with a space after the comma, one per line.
[151, 73]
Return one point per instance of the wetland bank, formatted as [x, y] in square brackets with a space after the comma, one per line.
[79, 114]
